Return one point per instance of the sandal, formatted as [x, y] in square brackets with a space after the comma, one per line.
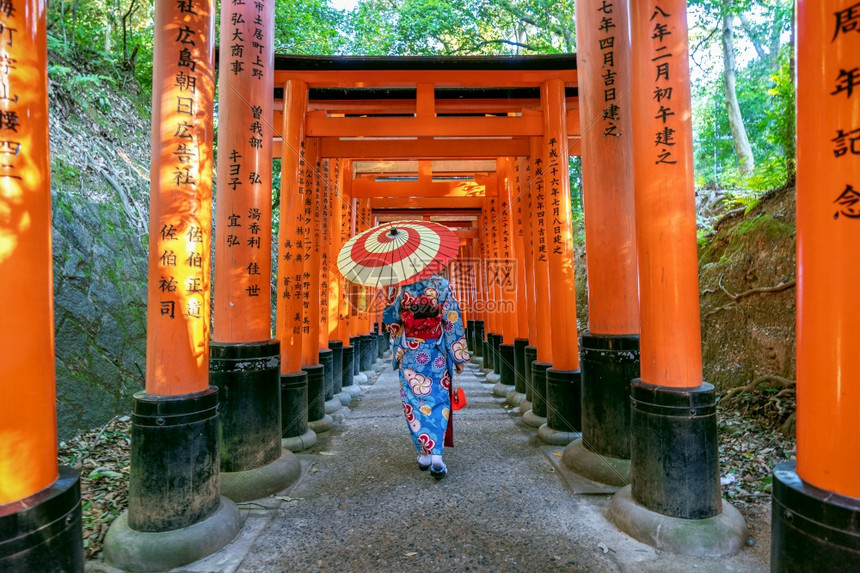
[438, 473]
[423, 467]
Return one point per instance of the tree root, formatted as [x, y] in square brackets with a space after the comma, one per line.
[728, 215]
[757, 290]
[780, 382]
[736, 297]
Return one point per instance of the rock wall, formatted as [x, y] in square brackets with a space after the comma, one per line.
[99, 312]
[99, 184]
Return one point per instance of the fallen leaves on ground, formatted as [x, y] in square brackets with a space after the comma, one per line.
[101, 456]
[748, 453]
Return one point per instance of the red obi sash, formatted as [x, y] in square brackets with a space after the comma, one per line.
[421, 318]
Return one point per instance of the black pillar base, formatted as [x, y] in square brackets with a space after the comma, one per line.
[520, 364]
[175, 513]
[348, 358]
[488, 352]
[356, 343]
[380, 345]
[497, 358]
[530, 354]
[506, 364]
[674, 461]
[479, 337]
[368, 352]
[812, 529]
[563, 407]
[359, 345]
[336, 347]
[316, 392]
[470, 333]
[249, 382]
[539, 387]
[609, 365]
[327, 361]
[295, 435]
[505, 361]
[42, 532]
[175, 477]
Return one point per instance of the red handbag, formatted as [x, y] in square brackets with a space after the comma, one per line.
[458, 400]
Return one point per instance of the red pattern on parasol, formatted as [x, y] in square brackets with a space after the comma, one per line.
[398, 253]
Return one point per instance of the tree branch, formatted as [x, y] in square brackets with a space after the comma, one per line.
[483, 43]
[757, 290]
[550, 26]
[753, 36]
[734, 393]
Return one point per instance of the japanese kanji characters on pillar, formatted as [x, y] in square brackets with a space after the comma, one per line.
[610, 348]
[292, 229]
[820, 491]
[180, 201]
[243, 210]
[674, 458]
[177, 353]
[244, 361]
[35, 494]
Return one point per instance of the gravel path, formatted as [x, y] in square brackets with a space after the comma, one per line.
[362, 504]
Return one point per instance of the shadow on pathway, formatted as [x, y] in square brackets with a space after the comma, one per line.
[506, 505]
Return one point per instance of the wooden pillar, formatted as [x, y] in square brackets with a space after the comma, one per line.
[347, 214]
[674, 458]
[610, 347]
[28, 463]
[243, 239]
[506, 280]
[311, 269]
[364, 222]
[177, 342]
[541, 254]
[492, 263]
[563, 380]
[506, 271]
[335, 279]
[177, 350]
[522, 303]
[519, 211]
[556, 181]
[828, 231]
[671, 344]
[244, 360]
[292, 228]
[488, 301]
[293, 236]
[535, 416]
[607, 168]
[325, 227]
[28, 421]
[823, 491]
[354, 329]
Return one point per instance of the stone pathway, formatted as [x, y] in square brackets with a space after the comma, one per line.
[506, 505]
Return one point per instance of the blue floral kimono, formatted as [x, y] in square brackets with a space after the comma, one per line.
[427, 337]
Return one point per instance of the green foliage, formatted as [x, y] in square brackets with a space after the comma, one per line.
[460, 27]
[765, 92]
[108, 33]
[63, 174]
[747, 200]
[309, 27]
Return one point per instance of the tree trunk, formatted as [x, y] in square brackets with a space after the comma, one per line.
[740, 141]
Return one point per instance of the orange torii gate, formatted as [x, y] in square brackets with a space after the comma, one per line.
[399, 119]
[522, 114]
[440, 127]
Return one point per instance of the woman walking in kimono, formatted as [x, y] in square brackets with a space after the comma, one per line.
[429, 345]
